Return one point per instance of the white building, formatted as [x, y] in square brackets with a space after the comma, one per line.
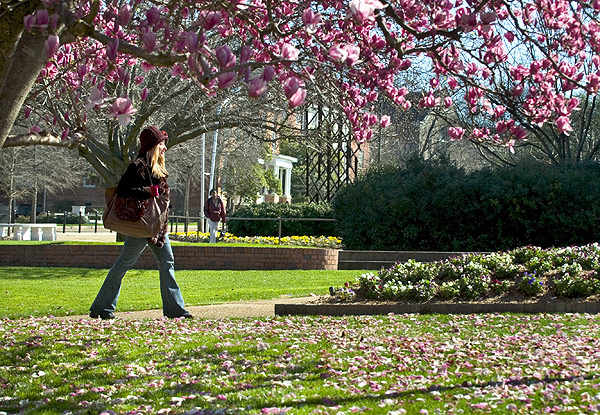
[282, 168]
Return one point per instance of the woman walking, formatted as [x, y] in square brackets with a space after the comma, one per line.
[135, 184]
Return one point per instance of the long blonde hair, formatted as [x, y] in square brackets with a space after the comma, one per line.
[157, 162]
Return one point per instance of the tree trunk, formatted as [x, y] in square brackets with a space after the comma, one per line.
[22, 71]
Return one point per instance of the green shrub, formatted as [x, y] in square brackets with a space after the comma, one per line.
[577, 285]
[448, 290]
[435, 206]
[531, 285]
[572, 282]
[499, 287]
[472, 286]
[282, 210]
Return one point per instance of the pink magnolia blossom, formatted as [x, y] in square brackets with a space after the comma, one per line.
[65, 133]
[53, 22]
[429, 101]
[42, 19]
[112, 48]
[96, 99]
[52, 45]
[564, 54]
[226, 79]
[82, 70]
[257, 87]
[149, 41]
[225, 58]
[291, 85]
[593, 82]
[311, 20]
[563, 124]
[499, 111]
[297, 98]
[268, 73]
[124, 14]
[372, 96]
[364, 10]
[289, 52]
[122, 109]
[353, 54]
[385, 121]
[153, 16]
[338, 53]
[245, 54]
[29, 22]
[456, 133]
[144, 94]
[211, 19]
[192, 41]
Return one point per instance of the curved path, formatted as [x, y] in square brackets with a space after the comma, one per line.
[239, 309]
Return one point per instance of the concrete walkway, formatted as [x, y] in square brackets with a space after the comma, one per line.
[87, 235]
[238, 309]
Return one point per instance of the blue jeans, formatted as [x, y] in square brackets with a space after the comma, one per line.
[172, 300]
[214, 227]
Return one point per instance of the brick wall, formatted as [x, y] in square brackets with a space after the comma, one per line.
[186, 257]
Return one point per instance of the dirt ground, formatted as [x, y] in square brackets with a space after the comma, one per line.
[251, 309]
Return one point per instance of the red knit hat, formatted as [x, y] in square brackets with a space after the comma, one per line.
[150, 137]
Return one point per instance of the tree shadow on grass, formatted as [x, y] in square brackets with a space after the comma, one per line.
[199, 371]
[44, 273]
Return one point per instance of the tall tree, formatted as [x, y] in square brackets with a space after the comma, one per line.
[353, 49]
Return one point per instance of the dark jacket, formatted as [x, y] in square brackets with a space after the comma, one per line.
[215, 210]
[135, 183]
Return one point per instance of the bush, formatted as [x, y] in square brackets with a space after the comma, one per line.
[439, 207]
[577, 285]
[531, 285]
[282, 210]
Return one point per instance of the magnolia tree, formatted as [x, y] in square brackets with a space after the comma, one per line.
[499, 55]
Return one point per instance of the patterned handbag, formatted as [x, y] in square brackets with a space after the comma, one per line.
[131, 217]
[130, 208]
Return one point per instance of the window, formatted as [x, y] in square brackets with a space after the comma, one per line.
[91, 180]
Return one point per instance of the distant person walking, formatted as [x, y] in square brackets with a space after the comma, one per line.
[214, 210]
[135, 184]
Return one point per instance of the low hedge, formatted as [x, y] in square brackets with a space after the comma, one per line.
[437, 207]
[282, 210]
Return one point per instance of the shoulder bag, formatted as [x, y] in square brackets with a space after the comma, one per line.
[132, 217]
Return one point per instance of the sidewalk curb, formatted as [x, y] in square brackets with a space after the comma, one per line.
[458, 308]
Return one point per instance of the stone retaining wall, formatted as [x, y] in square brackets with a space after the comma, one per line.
[186, 257]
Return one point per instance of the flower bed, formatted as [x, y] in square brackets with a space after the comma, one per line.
[313, 241]
[522, 274]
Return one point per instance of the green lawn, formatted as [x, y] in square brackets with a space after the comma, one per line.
[390, 365]
[37, 291]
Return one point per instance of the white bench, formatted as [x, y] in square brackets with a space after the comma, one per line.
[30, 231]
[4, 228]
